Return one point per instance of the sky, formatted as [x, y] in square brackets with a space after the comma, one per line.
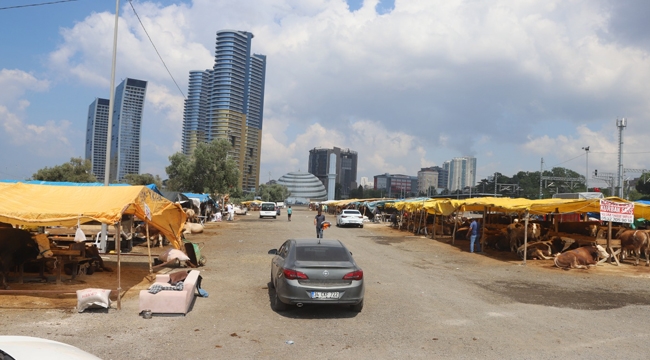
[405, 83]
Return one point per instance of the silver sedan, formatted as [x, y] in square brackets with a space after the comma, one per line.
[315, 271]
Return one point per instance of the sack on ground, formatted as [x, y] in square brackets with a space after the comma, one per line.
[93, 298]
[172, 254]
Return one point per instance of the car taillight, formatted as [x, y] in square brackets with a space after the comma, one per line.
[355, 275]
[293, 274]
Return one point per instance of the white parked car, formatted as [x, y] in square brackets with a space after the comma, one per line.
[349, 217]
[240, 210]
[27, 347]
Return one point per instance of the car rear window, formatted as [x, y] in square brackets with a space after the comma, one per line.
[321, 253]
[351, 212]
[268, 207]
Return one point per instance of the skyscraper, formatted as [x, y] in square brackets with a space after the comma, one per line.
[346, 167]
[461, 172]
[227, 102]
[96, 133]
[127, 127]
[125, 132]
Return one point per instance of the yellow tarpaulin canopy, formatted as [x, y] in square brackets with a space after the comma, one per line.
[542, 206]
[48, 205]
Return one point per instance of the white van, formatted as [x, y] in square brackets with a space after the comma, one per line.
[268, 209]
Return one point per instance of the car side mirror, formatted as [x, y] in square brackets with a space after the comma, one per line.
[273, 252]
[350, 252]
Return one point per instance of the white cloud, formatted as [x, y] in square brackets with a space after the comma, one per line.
[505, 81]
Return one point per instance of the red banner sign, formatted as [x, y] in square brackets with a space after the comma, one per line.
[616, 212]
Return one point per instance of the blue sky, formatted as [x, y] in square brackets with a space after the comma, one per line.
[406, 84]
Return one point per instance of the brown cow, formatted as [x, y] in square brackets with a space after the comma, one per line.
[516, 234]
[636, 240]
[580, 258]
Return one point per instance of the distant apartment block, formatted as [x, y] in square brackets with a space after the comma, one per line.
[346, 167]
[96, 133]
[397, 185]
[125, 131]
[227, 102]
[432, 177]
[461, 172]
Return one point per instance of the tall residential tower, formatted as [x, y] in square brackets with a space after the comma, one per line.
[227, 102]
[461, 172]
[125, 132]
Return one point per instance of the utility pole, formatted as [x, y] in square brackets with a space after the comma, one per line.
[541, 170]
[586, 149]
[621, 124]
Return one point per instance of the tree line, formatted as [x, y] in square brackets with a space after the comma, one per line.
[211, 171]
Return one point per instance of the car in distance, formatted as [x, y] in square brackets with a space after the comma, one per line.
[240, 210]
[349, 217]
[267, 209]
[315, 271]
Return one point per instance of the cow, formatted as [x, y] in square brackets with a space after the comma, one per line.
[516, 234]
[191, 215]
[17, 246]
[636, 240]
[190, 228]
[547, 249]
[580, 258]
[155, 236]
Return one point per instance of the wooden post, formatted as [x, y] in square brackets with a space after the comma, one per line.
[118, 246]
[525, 236]
[433, 233]
[149, 248]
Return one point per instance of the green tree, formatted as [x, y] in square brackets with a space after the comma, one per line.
[209, 170]
[274, 193]
[357, 193]
[143, 179]
[643, 184]
[77, 170]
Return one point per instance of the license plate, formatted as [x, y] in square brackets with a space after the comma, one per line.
[324, 295]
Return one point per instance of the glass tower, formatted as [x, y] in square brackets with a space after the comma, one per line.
[96, 132]
[227, 102]
[127, 128]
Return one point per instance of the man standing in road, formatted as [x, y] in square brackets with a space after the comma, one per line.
[231, 212]
[473, 234]
[318, 221]
[289, 212]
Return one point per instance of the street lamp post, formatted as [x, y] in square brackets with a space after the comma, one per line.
[586, 149]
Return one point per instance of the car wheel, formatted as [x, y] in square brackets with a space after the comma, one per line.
[358, 307]
[276, 304]
[271, 284]
[275, 217]
[260, 216]
[361, 226]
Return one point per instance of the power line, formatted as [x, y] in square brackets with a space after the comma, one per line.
[38, 4]
[154, 47]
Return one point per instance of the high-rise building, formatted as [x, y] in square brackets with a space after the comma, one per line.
[397, 185]
[432, 177]
[125, 131]
[346, 168]
[461, 172]
[227, 102]
[96, 133]
[127, 128]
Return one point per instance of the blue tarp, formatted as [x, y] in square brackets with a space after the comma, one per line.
[202, 197]
[153, 187]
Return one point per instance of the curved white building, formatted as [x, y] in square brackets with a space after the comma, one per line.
[304, 187]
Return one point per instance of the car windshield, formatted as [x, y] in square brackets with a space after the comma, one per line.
[268, 207]
[321, 253]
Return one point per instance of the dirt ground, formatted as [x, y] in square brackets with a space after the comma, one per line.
[424, 299]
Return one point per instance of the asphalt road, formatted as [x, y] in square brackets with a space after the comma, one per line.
[424, 299]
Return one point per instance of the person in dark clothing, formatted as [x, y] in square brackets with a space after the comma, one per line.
[318, 221]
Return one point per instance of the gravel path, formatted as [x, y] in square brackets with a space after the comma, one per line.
[424, 299]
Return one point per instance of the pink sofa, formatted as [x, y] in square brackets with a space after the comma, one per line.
[170, 301]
